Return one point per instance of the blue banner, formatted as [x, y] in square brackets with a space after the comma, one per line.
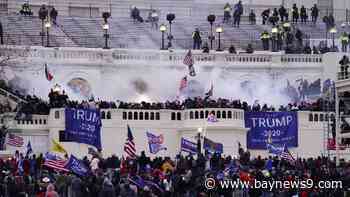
[280, 127]
[188, 146]
[77, 166]
[83, 126]
[212, 147]
[156, 143]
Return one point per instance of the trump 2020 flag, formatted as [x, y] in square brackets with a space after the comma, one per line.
[77, 166]
[280, 127]
[188, 146]
[84, 126]
[156, 143]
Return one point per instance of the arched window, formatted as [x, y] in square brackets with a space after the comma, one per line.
[157, 116]
[206, 114]
[201, 115]
[191, 114]
[196, 115]
[326, 117]
[178, 114]
[316, 118]
[173, 116]
[103, 115]
[224, 114]
[218, 114]
[57, 114]
[152, 115]
[141, 115]
[109, 115]
[229, 114]
[129, 115]
[124, 115]
[135, 116]
[146, 116]
[311, 117]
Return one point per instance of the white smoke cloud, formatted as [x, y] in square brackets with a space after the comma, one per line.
[163, 83]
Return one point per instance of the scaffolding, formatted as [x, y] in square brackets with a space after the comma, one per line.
[329, 117]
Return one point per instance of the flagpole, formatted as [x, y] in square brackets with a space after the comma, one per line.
[205, 130]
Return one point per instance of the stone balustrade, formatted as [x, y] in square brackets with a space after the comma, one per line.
[188, 115]
[132, 56]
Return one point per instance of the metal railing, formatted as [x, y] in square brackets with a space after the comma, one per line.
[343, 75]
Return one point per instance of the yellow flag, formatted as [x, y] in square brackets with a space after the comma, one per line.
[57, 147]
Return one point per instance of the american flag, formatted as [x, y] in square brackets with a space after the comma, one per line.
[287, 155]
[56, 163]
[183, 83]
[188, 60]
[15, 140]
[129, 147]
[48, 74]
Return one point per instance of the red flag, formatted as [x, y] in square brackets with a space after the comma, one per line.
[48, 75]
[183, 83]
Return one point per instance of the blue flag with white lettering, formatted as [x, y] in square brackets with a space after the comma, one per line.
[281, 127]
[77, 166]
[273, 149]
[188, 146]
[83, 126]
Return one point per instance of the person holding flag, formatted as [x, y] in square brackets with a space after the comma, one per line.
[48, 74]
[29, 149]
[210, 92]
[189, 61]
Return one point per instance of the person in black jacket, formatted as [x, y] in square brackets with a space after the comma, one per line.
[53, 15]
[314, 13]
[197, 40]
[283, 13]
[303, 14]
[295, 13]
[265, 16]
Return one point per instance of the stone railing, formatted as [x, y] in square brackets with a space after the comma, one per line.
[132, 56]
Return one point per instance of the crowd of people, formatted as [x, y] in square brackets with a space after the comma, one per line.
[44, 13]
[284, 35]
[34, 105]
[183, 176]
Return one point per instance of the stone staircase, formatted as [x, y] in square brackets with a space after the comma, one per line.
[124, 33]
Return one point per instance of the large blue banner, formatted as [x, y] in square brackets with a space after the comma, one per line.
[280, 127]
[84, 126]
